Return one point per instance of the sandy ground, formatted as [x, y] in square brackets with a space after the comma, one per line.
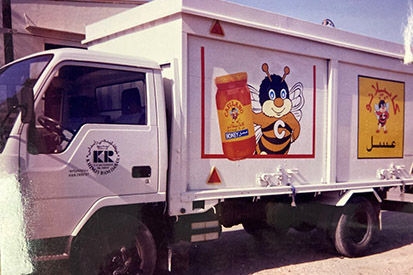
[306, 253]
[238, 253]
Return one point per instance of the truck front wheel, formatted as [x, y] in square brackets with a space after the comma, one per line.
[356, 227]
[114, 246]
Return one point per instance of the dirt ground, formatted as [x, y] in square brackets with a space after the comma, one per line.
[238, 253]
[306, 253]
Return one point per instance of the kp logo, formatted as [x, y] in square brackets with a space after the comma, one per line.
[103, 157]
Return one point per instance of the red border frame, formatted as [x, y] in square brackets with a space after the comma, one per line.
[222, 156]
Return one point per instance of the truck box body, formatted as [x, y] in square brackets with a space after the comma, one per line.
[336, 82]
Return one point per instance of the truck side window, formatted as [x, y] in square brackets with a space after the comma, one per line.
[88, 94]
[124, 102]
[132, 110]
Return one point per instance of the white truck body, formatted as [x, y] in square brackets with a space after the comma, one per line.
[328, 62]
[343, 127]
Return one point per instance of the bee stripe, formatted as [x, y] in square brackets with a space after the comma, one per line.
[275, 140]
[271, 128]
[271, 144]
[262, 148]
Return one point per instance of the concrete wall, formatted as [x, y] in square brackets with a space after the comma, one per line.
[37, 23]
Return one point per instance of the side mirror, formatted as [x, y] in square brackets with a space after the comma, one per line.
[27, 103]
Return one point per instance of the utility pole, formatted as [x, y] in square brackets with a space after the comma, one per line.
[8, 35]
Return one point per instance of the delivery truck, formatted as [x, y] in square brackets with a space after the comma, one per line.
[186, 116]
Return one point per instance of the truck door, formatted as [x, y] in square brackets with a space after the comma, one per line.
[95, 137]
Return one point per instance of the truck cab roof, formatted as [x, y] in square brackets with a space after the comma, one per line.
[100, 57]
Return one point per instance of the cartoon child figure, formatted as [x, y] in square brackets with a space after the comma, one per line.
[279, 126]
[382, 115]
[234, 113]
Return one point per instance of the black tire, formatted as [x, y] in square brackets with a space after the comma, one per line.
[356, 228]
[114, 244]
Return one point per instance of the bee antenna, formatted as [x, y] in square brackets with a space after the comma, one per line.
[265, 69]
[286, 72]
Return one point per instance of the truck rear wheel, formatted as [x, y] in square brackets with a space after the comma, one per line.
[356, 227]
[114, 246]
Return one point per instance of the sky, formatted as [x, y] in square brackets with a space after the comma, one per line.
[382, 19]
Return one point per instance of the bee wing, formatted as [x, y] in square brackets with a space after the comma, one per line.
[376, 108]
[258, 132]
[256, 108]
[255, 99]
[297, 99]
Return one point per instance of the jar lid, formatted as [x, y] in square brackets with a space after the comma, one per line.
[242, 76]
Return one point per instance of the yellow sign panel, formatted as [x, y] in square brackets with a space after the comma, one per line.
[381, 118]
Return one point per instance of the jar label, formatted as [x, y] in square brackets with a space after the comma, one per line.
[235, 121]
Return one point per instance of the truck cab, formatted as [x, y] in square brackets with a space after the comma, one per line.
[84, 130]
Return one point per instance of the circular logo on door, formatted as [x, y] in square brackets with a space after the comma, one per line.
[103, 157]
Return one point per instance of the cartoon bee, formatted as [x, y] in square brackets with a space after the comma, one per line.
[382, 115]
[277, 112]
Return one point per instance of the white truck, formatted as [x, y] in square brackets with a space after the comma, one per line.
[120, 158]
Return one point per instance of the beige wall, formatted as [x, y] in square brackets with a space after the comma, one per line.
[36, 23]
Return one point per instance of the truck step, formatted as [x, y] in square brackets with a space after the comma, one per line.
[57, 257]
[205, 231]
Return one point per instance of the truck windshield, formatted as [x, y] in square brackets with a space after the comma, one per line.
[13, 79]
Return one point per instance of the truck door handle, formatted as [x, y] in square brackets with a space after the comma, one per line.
[141, 171]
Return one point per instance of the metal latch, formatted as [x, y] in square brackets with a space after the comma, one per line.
[282, 177]
[393, 172]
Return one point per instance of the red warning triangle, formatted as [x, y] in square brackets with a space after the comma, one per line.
[214, 177]
[216, 28]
